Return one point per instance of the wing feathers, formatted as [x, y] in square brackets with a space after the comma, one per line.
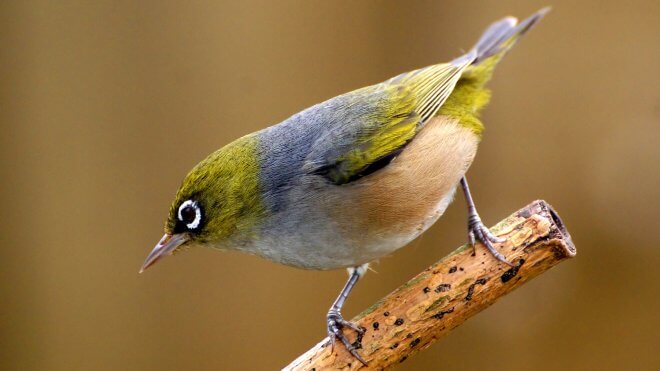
[432, 85]
[389, 116]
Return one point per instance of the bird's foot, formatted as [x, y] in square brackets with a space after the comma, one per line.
[335, 325]
[478, 231]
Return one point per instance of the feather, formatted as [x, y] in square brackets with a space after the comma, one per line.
[364, 130]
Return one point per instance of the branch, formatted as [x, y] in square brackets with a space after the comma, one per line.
[449, 292]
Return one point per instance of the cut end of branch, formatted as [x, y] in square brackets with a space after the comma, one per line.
[449, 292]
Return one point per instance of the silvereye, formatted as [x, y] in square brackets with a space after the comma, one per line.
[351, 179]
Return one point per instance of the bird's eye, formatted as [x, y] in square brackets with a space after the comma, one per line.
[190, 214]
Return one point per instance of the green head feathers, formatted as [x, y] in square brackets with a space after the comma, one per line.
[220, 195]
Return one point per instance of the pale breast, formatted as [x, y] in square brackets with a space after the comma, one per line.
[394, 205]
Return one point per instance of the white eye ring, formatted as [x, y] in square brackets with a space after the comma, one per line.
[198, 213]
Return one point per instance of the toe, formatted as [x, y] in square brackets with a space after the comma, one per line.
[335, 324]
[496, 253]
[489, 235]
[352, 326]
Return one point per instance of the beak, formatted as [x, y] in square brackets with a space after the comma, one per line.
[165, 246]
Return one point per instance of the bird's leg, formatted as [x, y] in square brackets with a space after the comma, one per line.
[476, 228]
[336, 322]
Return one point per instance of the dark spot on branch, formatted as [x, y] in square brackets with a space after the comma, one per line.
[403, 359]
[525, 213]
[394, 346]
[461, 269]
[409, 336]
[415, 342]
[443, 287]
[426, 290]
[358, 342]
[442, 313]
[386, 314]
[508, 275]
[452, 269]
[480, 281]
[399, 321]
[375, 325]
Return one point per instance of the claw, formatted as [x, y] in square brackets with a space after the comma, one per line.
[335, 323]
[472, 242]
[478, 231]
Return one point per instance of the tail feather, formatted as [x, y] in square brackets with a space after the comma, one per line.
[493, 36]
[470, 94]
[502, 35]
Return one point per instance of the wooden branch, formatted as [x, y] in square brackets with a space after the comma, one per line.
[449, 292]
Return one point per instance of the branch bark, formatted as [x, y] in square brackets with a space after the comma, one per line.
[449, 292]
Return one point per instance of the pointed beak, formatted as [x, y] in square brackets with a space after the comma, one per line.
[165, 246]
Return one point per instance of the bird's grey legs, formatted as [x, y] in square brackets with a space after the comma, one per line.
[477, 229]
[335, 320]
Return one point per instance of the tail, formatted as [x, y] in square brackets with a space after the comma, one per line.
[470, 94]
[502, 35]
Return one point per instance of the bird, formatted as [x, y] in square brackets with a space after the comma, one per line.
[349, 180]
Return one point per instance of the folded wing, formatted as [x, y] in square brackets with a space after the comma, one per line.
[369, 127]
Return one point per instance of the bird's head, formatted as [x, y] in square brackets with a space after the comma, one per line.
[218, 202]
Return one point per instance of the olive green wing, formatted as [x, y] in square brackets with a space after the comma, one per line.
[431, 86]
[362, 131]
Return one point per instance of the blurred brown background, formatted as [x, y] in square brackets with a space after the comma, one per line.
[105, 106]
